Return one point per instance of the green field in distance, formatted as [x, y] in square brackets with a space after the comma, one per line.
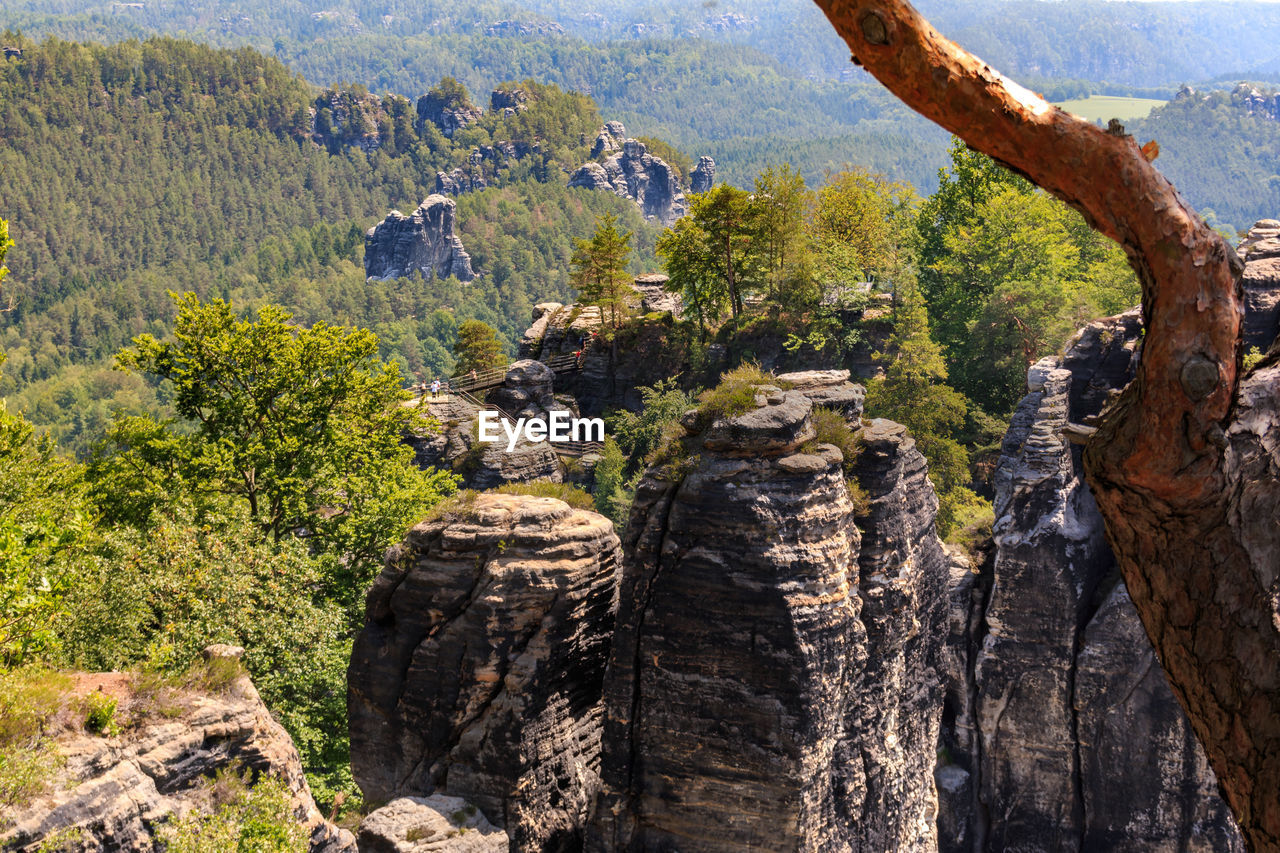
[1105, 107]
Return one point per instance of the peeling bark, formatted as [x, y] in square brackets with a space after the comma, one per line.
[1184, 466]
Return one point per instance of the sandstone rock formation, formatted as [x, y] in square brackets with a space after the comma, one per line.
[829, 388]
[609, 140]
[1261, 282]
[509, 99]
[479, 670]
[450, 113]
[345, 119]
[482, 466]
[117, 791]
[527, 390]
[435, 824]
[654, 296]
[1061, 731]
[633, 173]
[422, 243]
[772, 681]
[703, 176]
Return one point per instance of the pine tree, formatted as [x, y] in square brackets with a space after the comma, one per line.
[478, 347]
[600, 269]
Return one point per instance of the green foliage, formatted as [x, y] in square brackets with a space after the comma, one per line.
[1251, 359]
[46, 529]
[914, 393]
[100, 714]
[249, 816]
[1009, 273]
[1221, 151]
[155, 597]
[639, 434]
[567, 492]
[734, 395]
[862, 223]
[29, 699]
[600, 270]
[609, 491]
[302, 424]
[778, 208]
[830, 427]
[478, 347]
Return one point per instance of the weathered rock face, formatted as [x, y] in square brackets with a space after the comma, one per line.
[435, 824]
[703, 176]
[526, 390]
[633, 173]
[512, 99]
[479, 670]
[829, 388]
[610, 139]
[753, 618]
[654, 296]
[421, 243]
[118, 791]
[482, 466]
[1061, 731]
[1261, 282]
[344, 119]
[449, 113]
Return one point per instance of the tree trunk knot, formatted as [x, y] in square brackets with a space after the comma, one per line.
[1199, 377]
[874, 28]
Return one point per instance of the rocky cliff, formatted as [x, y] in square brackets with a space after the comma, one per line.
[478, 673]
[772, 681]
[1061, 731]
[703, 176]
[631, 172]
[422, 243]
[1260, 251]
[114, 793]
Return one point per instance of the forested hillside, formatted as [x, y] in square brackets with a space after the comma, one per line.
[141, 168]
[1222, 151]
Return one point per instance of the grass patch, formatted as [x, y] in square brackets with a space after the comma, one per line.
[30, 699]
[735, 395]
[831, 428]
[567, 492]
[1105, 107]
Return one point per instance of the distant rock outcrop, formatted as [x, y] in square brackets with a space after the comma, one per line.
[1260, 251]
[772, 683]
[610, 139]
[421, 243]
[703, 176]
[479, 671]
[345, 119]
[509, 100]
[633, 173]
[118, 791]
[1062, 730]
[449, 111]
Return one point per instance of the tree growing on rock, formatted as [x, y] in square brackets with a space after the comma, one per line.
[1184, 464]
[599, 270]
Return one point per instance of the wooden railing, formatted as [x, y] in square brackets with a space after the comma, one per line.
[482, 380]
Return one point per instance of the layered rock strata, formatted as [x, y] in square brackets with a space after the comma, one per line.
[422, 243]
[479, 671]
[1261, 282]
[115, 793]
[1061, 731]
[830, 389]
[754, 617]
